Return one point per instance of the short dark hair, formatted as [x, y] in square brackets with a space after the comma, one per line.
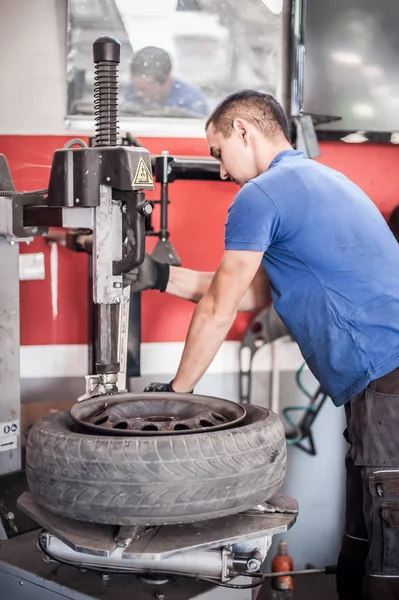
[262, 110]
[151, 62]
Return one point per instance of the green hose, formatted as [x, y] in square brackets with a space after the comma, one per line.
[299, 382]
[309, 408]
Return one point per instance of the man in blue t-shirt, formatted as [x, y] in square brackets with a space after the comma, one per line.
[309, 239]
[154, 87]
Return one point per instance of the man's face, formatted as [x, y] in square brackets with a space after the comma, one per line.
[235, 154]
[147, 89]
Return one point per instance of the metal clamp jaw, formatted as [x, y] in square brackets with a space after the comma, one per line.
[98, 385]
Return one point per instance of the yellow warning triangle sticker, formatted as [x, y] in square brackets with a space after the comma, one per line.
[143, 175]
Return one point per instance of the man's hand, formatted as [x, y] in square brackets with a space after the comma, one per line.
[151, 275]
[77, 240]
[159, 387]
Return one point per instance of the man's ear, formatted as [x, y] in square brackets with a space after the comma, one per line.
[241, 128]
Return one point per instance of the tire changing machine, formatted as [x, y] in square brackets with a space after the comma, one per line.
[48, 557]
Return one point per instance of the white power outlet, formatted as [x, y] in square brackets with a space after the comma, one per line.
[31, 266]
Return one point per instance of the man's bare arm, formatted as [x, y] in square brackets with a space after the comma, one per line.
[214, 315]
[193, 285]
[183, 283]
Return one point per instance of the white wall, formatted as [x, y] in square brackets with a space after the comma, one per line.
[33, 66]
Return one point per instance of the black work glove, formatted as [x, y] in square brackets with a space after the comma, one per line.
[151, 275]
[159, 387]
[79, 240]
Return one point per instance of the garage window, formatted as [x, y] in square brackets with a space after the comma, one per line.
[179, 58]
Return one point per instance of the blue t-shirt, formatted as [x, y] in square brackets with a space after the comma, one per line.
[333, 265]
[181, 95]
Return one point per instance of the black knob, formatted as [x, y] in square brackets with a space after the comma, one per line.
[144, 208]
[106, 49]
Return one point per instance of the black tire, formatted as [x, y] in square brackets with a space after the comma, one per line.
[155, 480]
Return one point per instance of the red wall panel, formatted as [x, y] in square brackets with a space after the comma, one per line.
[197, 215]
[373, 167]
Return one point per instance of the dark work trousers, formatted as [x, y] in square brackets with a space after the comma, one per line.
[368, 565]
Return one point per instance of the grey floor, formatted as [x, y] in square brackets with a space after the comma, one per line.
[308, 587]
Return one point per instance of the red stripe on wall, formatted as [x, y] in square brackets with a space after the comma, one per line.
[197, 214]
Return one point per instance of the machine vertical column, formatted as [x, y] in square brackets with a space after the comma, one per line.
[10, 386]
[108, 219]
[107, 351]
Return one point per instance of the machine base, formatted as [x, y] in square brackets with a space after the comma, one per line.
[24, 575]
[165, 541]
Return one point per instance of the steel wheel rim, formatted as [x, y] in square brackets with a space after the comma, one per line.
[156, 414]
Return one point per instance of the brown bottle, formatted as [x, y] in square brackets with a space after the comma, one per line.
[281, 563]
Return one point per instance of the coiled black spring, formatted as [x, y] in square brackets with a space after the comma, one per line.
[106, 54]
[106, 103]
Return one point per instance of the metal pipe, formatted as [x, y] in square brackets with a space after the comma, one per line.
[91, 320]
[286, 58]
[107, 352]
[206, 563]
[298, 56]
[163, 230]
[134, 337]
[330, 570]
[204, 169]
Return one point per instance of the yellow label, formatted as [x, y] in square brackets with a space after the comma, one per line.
[143, 175]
